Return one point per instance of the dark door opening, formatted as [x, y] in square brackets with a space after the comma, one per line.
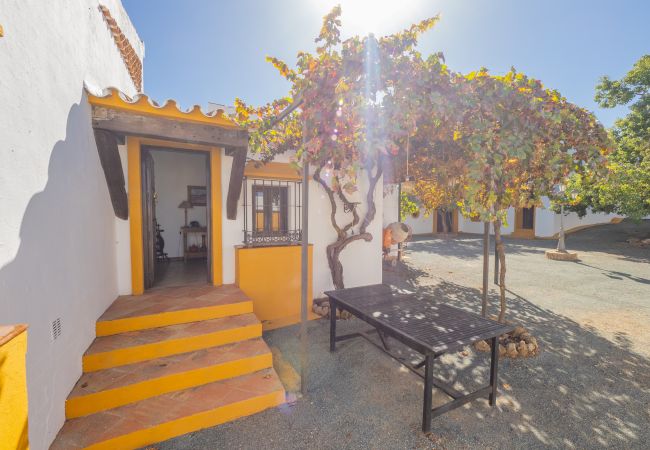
[444, 221]
[528, 218]
[175, 215]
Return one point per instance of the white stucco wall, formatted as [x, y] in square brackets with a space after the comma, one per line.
[547, 223]
[173, 172]
[58, 231]
[423, 224]
[465, 224]
[361, 260]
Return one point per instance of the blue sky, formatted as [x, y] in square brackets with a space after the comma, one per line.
[201, 50]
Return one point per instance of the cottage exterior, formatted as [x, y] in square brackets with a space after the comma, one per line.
[525, 223]
[85, 158]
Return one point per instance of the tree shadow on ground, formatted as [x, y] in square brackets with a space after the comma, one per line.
[471, 246]
[581, 391]
[606, 238]
[616, 274]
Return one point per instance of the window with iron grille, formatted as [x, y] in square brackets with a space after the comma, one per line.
[272, 212]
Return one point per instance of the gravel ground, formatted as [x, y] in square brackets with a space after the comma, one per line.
[589, 387]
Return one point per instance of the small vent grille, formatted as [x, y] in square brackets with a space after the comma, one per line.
[56, 328]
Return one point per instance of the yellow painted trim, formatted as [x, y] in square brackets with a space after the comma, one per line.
[110, 327]
[134, 146]
[216, 215]
[272, 171]
[129, 355]
[135, 214]
[142, 105]
[112, 398]
[270, 277]
[13, 388]
[454, 222]
[188, 424]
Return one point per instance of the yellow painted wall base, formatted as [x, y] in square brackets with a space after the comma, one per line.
[13, 388]
[270, 276]
[188, 424]
[112, 398]
[110, 327]
[123, 356]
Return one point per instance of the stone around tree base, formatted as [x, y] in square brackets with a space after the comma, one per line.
[561, 256]
[517, 344]
[322, 308]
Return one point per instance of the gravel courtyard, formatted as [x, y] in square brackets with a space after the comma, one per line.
[589, 387]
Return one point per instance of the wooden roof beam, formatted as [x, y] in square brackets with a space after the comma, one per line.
[134, 124]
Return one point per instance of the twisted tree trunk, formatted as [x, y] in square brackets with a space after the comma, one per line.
[345, 234]
[502, 269]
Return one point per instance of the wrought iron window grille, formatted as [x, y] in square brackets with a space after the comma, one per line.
[272, 212]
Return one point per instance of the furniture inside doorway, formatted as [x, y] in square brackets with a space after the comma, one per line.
[195, 242]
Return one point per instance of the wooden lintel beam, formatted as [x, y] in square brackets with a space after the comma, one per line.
[128, 123]
[109, 157]
[236, 180]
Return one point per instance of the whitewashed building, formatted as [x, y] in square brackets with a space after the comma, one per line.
[523, 223]
[93, 174]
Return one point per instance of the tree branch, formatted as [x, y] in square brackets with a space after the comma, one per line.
[330, 193]
[370, 197]
[350, 206]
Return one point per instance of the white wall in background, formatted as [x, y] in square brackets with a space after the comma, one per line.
[465, 225]
[173, 172]
[549, 223]
[423, 224]
[58, 231]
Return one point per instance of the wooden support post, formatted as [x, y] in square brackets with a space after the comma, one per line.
[304, 279]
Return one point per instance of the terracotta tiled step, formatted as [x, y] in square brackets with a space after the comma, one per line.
[117, 386]
[136, 346]
[170, 306]
[173, 414]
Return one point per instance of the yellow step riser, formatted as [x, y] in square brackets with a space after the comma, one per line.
[121, 357]
[196, 422]
[112, 398]
[110, 327]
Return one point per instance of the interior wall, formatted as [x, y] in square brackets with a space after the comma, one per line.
[174, 171]
[57, 225]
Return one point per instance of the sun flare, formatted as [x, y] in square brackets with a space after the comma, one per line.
[374, 16]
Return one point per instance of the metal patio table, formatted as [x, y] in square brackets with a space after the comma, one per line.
[427, 327]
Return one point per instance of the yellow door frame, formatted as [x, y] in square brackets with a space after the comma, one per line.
[454, 221]
[518, 230]
[134, 176]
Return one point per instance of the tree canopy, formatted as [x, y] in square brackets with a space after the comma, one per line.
[356, 104]
[509, 141]
[626, 188]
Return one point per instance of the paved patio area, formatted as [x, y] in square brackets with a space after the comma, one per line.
[589, 388]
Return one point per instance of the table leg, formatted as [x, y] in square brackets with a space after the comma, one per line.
[428, 393]
[332, 325]
[494, 363]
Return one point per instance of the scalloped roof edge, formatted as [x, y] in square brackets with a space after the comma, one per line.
[145, 104]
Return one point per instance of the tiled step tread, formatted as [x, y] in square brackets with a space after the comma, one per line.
[154, 335]
[105, 425]
[117, 377]
[172, 300]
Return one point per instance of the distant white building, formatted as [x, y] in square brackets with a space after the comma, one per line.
[522, 223]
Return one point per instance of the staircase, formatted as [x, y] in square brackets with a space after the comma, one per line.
[169, 362]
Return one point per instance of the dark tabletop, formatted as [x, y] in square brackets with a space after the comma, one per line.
[424, 324]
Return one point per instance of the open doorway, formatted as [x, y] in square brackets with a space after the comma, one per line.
[176, 212]
[525, 222]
